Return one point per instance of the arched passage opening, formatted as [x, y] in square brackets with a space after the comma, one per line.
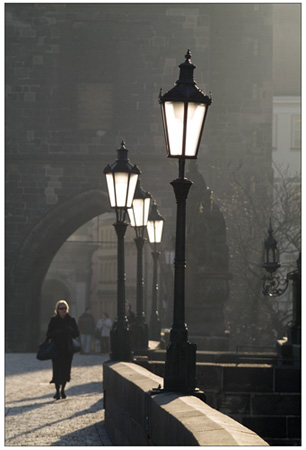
[25, 278]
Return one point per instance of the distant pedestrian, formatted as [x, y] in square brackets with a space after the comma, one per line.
[104, 326]
[62, 327]
[87, 328]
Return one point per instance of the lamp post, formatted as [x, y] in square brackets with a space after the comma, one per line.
[184, 109]
[121, 178]
[138, 214]
[275, 286]
[155, 230]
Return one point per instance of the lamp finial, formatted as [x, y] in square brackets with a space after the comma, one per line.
[188, 55]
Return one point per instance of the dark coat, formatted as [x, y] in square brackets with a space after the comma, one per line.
[86, 323]
[61, 331]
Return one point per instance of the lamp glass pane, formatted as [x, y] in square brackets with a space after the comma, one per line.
[139, 212]
[151, 230]
[195, 117]
[132, 187]
[155, 230]
[147, 203]
[131, 217]
[159, 224]
[111, 189]
[138, 205]
[121, 186]
[174, 116]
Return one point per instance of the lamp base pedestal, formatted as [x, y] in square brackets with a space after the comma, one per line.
[288, 353]
[155, 327]
[120, 342]
[139, 334]
[180, 366]
[195, 393]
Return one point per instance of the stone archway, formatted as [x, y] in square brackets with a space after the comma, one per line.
[25, 277]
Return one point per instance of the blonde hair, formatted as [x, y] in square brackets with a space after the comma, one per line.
[61, 302]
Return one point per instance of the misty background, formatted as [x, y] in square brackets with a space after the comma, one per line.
[82, 77]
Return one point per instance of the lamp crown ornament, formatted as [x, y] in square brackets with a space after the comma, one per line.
[186, 70]
[155, 214]
[186, 87]
[140, 193]
[122, 163]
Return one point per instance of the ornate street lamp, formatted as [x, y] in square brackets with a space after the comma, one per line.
[155, 230]
[138, 218]
[121, 178]
[275, 286]
[184, 110]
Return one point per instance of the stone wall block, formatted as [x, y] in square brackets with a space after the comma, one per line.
[287, 379]
[294, 427]
[248, 379]
[211, 376]
[267, 426]
[235, 404]
[276, 404]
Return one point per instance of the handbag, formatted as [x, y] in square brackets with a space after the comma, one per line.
[47, 350]
[75, 345]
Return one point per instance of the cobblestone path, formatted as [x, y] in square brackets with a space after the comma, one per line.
[34, 418]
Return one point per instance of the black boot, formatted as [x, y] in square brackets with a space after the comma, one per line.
[62, 391]
[57, 393]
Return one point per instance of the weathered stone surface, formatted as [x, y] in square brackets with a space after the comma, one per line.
[263, 403]
[171, 419]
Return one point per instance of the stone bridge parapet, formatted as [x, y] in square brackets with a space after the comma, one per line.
[135, 415]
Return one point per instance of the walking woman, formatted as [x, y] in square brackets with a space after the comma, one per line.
[62, 327]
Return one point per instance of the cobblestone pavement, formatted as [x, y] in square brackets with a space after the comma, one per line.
[34, 418]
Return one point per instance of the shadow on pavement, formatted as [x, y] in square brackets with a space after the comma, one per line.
[93, 408]
[87, 436]
[15, 410]
[87, 388]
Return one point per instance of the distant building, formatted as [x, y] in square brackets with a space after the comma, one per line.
[286, 139]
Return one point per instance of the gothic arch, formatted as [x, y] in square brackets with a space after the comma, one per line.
[24, 280]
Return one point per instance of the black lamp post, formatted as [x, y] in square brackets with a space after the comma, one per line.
[184, 109]
[138, 214]
[121, 178]
[275, 286]
[155, 230]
